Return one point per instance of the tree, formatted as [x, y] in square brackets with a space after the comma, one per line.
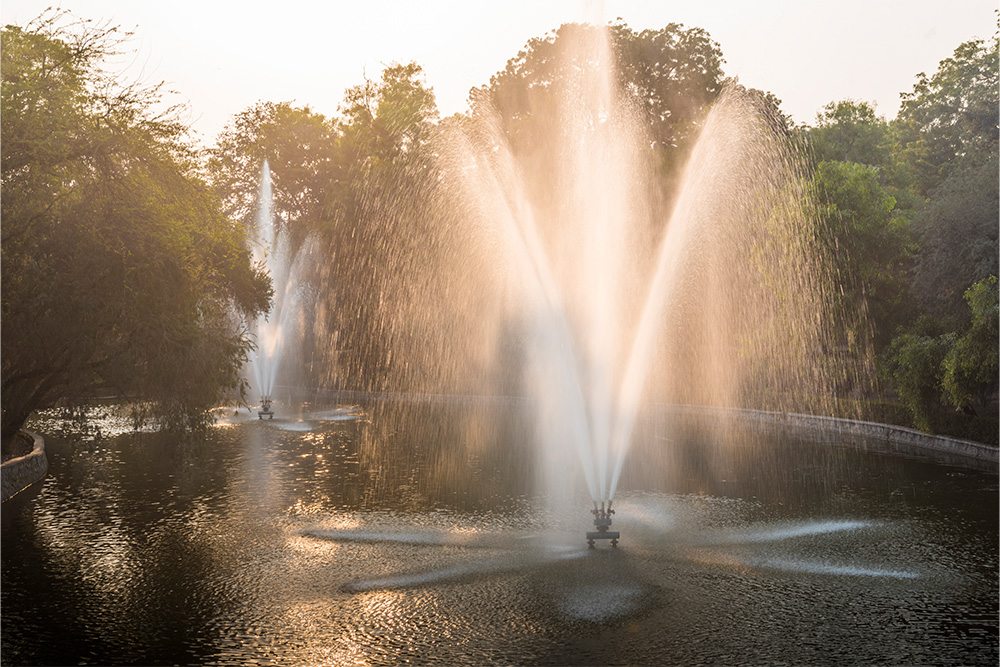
[971, 367]
[670, 76]
[386, 237]
[948, 132]
[360, 186]
[392, 117]
[302, 148]
[945, 147]
[952, 116]
[119, 273]
[958, 237]
[912, 364]
[673, 72]
[870, 246]
[849, 131]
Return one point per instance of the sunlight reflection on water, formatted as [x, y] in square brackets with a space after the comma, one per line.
[292, 547]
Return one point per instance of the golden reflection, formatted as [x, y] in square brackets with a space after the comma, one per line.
[310, 621]
[312, 548]
[719, 559]
[382, 604]
[319, 510]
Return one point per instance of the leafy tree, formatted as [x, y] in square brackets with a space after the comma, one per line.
[850, 131]
[119, 273]
[385, 229]
[946, 146]
[673, 72]
[953, 115]
[971, 368]
[670, 75]
[769, 107]
[302, 149]
[958, 236]
[912, 363]
[361, 186]
[390, 118]
[869, 245]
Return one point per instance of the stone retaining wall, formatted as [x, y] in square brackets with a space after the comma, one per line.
[18, 474]
[870, 435]
[832, 430]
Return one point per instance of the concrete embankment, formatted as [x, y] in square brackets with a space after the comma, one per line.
[868, 435]
[871, 436]
[18, 474]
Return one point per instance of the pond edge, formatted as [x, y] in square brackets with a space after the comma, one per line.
[18, 474]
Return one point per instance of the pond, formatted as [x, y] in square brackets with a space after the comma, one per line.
[386, 533]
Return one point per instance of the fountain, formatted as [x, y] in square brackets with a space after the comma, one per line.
[723, 301]
[275, 331]
[407, 528]
[266, 359]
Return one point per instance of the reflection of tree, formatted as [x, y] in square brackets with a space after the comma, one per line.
[462, 454]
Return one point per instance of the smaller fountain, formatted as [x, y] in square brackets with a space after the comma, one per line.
[276, 331]
[602, 521]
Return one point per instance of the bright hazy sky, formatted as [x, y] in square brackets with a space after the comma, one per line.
[221, 56]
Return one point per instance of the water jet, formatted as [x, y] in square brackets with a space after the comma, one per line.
[277, 333]
[716, 296]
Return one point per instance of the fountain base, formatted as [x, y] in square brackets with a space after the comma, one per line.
[265, 409]
[602, 521]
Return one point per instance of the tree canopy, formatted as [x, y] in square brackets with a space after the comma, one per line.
[120, 275]
[951, 116]
[932, 240]
[123, 269]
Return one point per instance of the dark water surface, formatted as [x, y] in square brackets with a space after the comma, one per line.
[387, 536]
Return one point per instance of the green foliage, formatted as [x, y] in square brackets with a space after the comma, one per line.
[303, 151]
[119, 273]
[928, 369]
[953, 115]
[849, 131]
[672, 72]
[670, 75]
[938, 162]
[912, 363]
[868, 244]
[971, 367]
[958, 236]
[391, 117]
[357, 185]
[946, 146]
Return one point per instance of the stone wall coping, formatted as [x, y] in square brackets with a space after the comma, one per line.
[899, 435]
[20, 473]
[38, 447]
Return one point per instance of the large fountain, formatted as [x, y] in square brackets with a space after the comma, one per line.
[721, 300]
[617, 293]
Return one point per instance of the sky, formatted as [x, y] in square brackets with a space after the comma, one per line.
[222, 56]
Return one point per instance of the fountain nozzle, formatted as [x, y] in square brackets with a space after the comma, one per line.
[265, 408]
[602, 521]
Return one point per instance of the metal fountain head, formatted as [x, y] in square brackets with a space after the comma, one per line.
[265, 408]
[602, 521]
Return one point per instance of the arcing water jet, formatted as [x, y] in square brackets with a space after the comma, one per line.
[723, 301]
[275, 331]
